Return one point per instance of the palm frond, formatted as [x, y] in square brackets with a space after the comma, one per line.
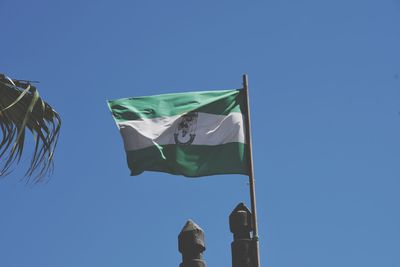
[22, 108]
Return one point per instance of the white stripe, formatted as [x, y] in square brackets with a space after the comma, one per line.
[210, 129]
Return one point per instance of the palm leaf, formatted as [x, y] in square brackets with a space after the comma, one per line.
[22, 108]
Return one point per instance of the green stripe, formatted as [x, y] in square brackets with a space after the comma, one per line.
[213, 102]
[190, 161]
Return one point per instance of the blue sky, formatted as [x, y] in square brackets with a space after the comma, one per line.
[325, 101]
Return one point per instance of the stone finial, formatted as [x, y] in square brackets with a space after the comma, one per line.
[191, 245]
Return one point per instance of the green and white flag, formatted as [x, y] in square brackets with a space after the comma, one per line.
[191, 134]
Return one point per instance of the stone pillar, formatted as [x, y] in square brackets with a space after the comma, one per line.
[242, 245]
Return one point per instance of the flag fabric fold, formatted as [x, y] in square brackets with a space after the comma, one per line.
[192, 134]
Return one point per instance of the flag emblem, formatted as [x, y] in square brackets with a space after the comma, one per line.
[186, 129]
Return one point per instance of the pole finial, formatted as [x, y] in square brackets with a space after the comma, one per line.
[245, 81]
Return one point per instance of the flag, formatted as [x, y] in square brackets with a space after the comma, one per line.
[191, 134]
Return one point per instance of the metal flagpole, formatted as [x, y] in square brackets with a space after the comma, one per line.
[251, 173]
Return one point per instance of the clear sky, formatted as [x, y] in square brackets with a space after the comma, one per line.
[325, 100]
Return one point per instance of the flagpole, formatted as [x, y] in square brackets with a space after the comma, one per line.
[251, 173]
